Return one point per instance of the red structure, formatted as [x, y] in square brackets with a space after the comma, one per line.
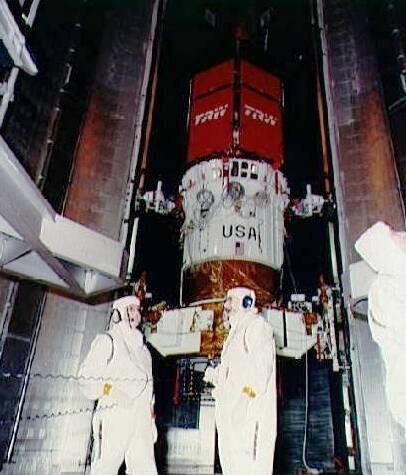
[236, 106]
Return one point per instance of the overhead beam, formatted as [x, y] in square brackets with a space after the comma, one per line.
[38, 244]
[14, 41]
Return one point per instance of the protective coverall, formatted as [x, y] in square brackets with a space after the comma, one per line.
[120, 370]
[385, 251]
[245, 390]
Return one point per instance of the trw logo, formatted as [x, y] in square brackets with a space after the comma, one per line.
[257, 114]
[214, 114]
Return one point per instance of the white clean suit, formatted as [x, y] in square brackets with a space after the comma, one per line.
[123, 424]
[245, 395]
[385, 251]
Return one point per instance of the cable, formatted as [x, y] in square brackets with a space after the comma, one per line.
[10, 374]
[54, 415]
[70, 412]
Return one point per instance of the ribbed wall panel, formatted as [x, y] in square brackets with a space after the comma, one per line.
[54, 442]
[292, 416]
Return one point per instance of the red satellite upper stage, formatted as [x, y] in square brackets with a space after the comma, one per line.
[246, 100]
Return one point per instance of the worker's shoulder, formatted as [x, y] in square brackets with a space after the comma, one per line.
[259, 327]
[103, 346]
[104, 336]
[103, 339]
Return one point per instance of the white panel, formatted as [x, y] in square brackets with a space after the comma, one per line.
[380, 436]
[33, 265]
[11, 249]
[242, 221]
[80, 245]
[7, 229]
[275, 318]
[297, 340]
[361, 278]
[179, 330]
[174, 344]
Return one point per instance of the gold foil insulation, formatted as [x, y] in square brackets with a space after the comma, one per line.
[210, 280]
